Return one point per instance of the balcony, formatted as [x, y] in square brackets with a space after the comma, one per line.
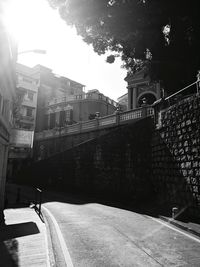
[27, 118]
[81, 97]
[26, 85]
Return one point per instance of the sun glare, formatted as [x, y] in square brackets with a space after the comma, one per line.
[17, 18]
[35, 25]
[23, 19]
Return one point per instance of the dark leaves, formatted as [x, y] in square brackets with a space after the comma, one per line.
[170, 30]
[110, 59]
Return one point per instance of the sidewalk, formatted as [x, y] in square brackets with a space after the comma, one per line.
[23, 239]
[164, 213]
[193, 228]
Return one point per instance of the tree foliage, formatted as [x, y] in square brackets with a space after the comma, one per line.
[162, 35]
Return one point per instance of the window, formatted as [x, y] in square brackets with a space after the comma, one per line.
[29, 112]
[69, 115]
[46, 121]
[62, 118]
[30, 96]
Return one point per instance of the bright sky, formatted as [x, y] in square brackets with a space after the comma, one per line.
[36, 25]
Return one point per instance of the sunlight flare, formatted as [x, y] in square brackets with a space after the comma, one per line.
[35, 25]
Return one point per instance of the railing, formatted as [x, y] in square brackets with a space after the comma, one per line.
[163, 104]
[27, 118]
[73, 128]
[89, 125]
[38, 200]
[131, 115]
[108, 120]
[95, 124]
[184, 89]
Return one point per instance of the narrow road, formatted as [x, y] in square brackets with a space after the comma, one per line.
[99, 235]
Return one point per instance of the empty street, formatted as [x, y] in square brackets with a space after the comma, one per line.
[100, 235]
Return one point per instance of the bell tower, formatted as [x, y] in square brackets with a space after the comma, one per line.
[141, 87]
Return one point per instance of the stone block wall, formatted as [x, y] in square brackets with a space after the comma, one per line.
[116, 165]
[48, 147]
[176, 155]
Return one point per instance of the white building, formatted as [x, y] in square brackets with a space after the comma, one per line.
[26, 91]
[24, 117]
[7, 91]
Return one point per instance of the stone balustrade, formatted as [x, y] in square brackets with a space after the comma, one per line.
[101, 122]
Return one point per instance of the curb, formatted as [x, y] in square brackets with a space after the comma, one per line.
[52, 261]
[64, 250]
[175, 223]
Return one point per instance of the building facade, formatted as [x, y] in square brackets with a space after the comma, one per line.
[76, 108]
[46, 101]
[8, 54]
[27, 81]
[62, 101]
[24, 117]
[51, 88]
[123, 102]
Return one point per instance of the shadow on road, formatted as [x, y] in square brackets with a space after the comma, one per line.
[151, 207]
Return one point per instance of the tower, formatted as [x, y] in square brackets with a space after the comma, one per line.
[141, 87]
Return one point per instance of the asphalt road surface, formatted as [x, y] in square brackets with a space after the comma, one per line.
[99, 235]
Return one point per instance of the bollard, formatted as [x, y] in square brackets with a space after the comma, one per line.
[174, 212]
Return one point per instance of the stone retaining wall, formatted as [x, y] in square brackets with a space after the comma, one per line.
[115, 165]
[176, 155]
